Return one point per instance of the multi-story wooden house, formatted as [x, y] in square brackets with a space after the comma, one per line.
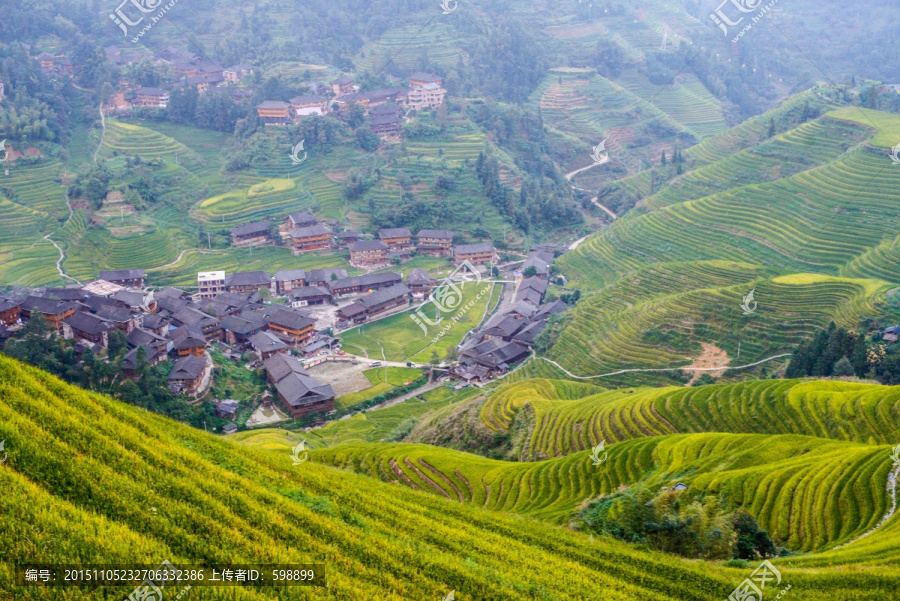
[130, 278]
[368, 253]
[435, 243]
[476, 254]
[398, 238]
[314, 237]
[248, 282]
[251, 234]
[275, 112]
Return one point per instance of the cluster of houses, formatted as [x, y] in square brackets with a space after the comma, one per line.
[508, 336]
[379, 293]
[304, 233]
[169, 323]
[384, 107]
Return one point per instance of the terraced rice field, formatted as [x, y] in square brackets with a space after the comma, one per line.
[630, 325]
[810, 145]
[816, 220]
[130, 139]
[38, 187]
[797, 487]
[400, 49]
[566, 424]
[687, 101]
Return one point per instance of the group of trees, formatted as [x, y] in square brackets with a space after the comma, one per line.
[672, 522]
[41, 347]
[838, 352]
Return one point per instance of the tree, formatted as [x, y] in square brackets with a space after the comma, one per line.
[356, 115]
[662, 159]
[118, 342]
[530, 271]
[368, 140]
[843, 368]
[435, 359]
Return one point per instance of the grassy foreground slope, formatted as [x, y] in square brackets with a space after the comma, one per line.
[90, 480]
[809, 493]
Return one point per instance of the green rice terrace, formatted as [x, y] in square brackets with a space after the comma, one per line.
[669, 314]
[819, 219]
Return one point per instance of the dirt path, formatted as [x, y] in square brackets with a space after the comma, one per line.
[102, 134]
[572, 174]
[662, 369]
[608, 211]
[62, 254]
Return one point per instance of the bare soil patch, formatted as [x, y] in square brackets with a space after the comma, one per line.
[344, 377]
[712, 356]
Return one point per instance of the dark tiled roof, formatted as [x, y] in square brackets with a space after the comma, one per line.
[188, 368]
[309, 99]
[240, 325]
[437, 234]
[343, 80]
[419, 277]
[150, 92]
[362, 281]
[249, 229]
[290, 275]
[266, 342]
[310, 231]
[249, 278]
[396, 232]
[280, 366]
[367, 246]
[291, 320]
[324, 275]
[308, 292]
[384, 295]
[302, 219]
[140, 336]
[273, 104]
[298, 390]
[47, 306]
[122, 274]
[116, 314]
[471, 249]
[87, 323]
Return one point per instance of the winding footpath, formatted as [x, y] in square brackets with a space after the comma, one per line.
[663, 369]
